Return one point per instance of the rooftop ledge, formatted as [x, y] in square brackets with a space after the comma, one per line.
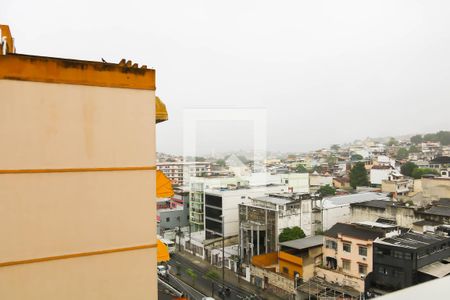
[79, 72]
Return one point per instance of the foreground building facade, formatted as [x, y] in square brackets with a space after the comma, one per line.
[77, 169]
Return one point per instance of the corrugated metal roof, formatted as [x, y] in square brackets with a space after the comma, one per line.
[304, 243]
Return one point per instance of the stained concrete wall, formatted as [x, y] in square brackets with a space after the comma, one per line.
[43, 215]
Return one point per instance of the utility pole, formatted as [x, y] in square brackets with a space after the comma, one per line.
[223, 256]
[179, 233]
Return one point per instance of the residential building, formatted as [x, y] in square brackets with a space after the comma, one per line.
[395, 212]
[300, 257]
[296, 182]
[397, 186]
[317, 180]
[77, 168]
[284, 270]
[173, 212]
[262, 219]
[341, 182]
[347, 253]
[337, 208]
[382, 172]
[409, 258]
[179, 172]
[440, 162]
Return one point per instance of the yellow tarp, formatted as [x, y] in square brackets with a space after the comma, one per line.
[161, 111]
[162, 252]
[163, 185]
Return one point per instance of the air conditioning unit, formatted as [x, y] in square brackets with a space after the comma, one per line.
[362, 276]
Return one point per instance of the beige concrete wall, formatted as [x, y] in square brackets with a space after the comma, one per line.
[123, 275]
[274, 279]
[60, 126]
[341, 278]
[44, 125]
[54, 214]
[436, 188]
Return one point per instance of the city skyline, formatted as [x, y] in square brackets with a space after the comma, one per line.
[326, 71]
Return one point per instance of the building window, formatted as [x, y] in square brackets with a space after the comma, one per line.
[347, 247]
[330, 244]
[285, 270]
[382, 270]
[331, 263]
[346, 265]
[398, 254]
[362, 269]
[407, 255]
[397, 273]
[362, 250]
[167, 219]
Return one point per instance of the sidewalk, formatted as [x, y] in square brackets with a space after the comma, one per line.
[231, 278]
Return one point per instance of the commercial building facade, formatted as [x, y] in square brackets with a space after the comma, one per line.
[179, 173]
[401, 261]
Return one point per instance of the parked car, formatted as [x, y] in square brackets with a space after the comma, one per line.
[162, 270]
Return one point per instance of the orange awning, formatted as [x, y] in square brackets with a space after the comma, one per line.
[162, 252]
[161, 111]
[163, 185]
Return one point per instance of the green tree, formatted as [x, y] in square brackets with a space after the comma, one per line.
[416, 139]
[429, 137]
[443, 137]
[402, 153]
[191, 273]
[212, 276]
[413, 149]
[221, 162]
[301, 169]
[408, 168]
[335, 147]
[358, 175]
[331, 160]
[317, 169]
[289, 234]
[356, 157]
[392, 142]
[326, 190]
[419, 172]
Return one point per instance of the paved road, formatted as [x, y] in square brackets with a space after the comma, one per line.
[205, 284]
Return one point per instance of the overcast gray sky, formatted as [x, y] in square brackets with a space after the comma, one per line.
[326, 71]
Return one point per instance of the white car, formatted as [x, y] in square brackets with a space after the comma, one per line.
[208, 298]
[162, 270]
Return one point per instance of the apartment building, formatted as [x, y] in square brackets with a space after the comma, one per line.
[77, 168]
[179, 173]
[398, 186]
[347, 253]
